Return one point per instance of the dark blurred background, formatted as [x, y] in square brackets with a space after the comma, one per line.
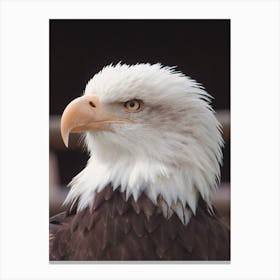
[80, 48]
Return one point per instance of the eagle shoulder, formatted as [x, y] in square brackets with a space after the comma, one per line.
[119, 229]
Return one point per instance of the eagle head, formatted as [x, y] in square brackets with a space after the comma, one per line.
[150, 129]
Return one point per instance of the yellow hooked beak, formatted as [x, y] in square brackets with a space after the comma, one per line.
[85, 113]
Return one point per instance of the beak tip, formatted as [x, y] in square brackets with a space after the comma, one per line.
[65, 138]
[66, 144]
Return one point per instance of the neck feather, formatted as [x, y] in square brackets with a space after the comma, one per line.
[175, 189]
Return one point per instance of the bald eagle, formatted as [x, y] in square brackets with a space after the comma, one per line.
[155, 154]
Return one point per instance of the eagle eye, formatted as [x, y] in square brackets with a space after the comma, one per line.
[133, 105]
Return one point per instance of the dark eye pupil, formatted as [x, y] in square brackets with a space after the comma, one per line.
[133, 105]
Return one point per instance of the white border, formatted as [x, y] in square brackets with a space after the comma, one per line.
[255, 138]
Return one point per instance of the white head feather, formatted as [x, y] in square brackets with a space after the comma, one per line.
[173, 148]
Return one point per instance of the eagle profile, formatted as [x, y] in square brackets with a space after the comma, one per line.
[155, 154]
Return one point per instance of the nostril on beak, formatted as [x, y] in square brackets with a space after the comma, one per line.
[92, 104]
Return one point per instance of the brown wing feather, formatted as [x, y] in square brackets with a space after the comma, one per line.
[116, 229]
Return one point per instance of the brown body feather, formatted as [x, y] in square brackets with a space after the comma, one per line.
[116, 229]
